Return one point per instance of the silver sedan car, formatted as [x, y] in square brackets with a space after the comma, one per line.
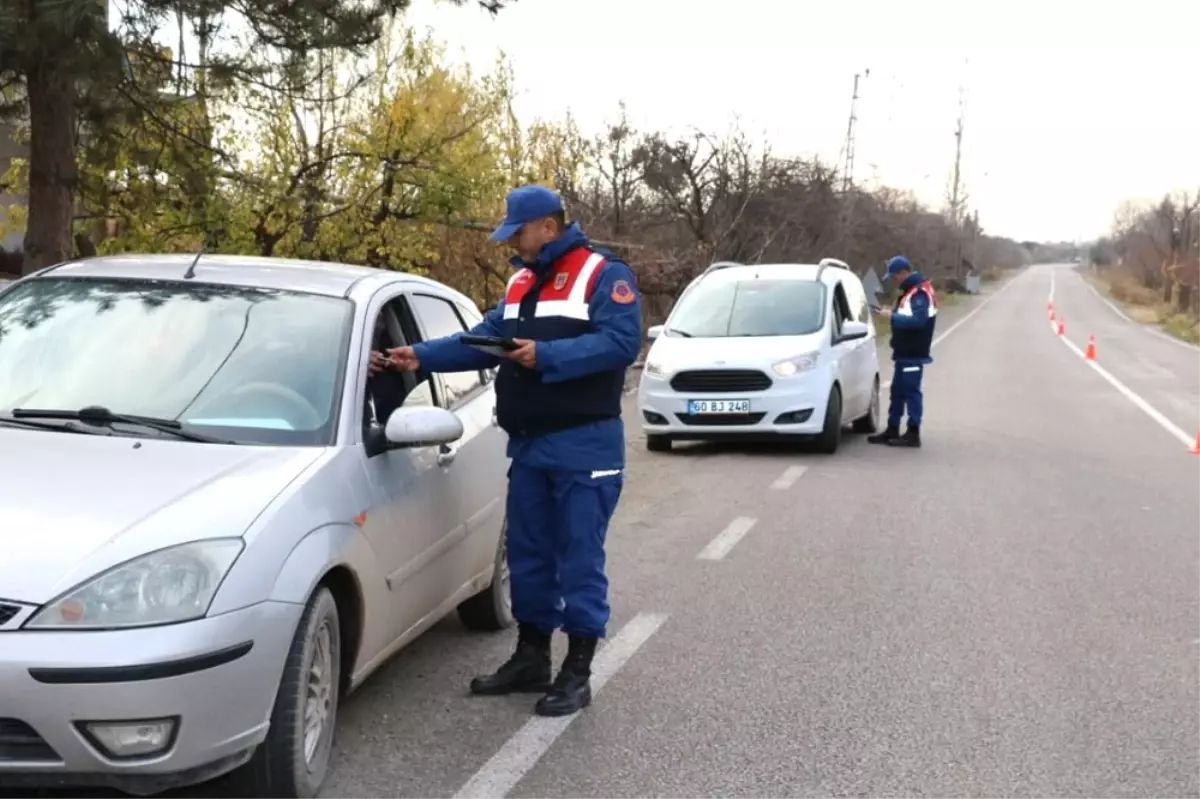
[217, 522]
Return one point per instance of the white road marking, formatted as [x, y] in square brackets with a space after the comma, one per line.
[522, 751]
[1146, 407]
[726, 539]
[790, 475]
[886, 383]
[1152, 331]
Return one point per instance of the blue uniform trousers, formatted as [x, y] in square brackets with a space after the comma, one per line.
[906, 394]
[557, 523]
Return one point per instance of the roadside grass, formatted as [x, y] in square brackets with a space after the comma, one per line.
[1144, 304]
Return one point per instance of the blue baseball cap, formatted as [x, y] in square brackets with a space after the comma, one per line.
[895, 264]
[525, 204]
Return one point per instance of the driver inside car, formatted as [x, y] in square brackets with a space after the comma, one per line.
[386, 386]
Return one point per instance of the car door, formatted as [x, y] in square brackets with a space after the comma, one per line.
[844, 352]
[856, 300]
[476, 465]
[408, 518]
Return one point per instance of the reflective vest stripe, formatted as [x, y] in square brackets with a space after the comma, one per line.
[575, 306]
[905, 306]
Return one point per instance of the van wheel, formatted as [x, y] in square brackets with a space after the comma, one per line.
[491, 609]
[831, 434]
[658, 443]
[870, 422]
[294, 759]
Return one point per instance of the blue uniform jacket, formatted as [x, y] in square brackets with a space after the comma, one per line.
[919, 302]
[613, 343]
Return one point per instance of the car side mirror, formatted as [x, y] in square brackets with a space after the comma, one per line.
[654, 332]
[422, 427]
[853, 330]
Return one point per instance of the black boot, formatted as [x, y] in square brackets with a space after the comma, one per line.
[572, 690]
[911, 437]
[527, 671]
[892, 432]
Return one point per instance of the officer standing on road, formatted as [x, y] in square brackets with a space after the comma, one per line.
[913, 319]
[575, 315]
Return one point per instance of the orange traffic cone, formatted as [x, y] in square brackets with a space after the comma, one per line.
[1062, 326]
[1195, 450]
[1051, 313]
[1090, 354]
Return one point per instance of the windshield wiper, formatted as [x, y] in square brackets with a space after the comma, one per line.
[102, 417]
[679, 332]
[59, 428]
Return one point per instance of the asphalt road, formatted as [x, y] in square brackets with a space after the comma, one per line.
[1012, 610]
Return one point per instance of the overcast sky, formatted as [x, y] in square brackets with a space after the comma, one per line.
[1070, 106]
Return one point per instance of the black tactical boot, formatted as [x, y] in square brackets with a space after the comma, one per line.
[886, 436]
[527, 671]
[572, 690]
[911, 437]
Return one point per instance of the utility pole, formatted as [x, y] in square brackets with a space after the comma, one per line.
[848, 173]
[955, 213]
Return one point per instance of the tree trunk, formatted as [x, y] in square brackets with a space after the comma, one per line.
[52, 170]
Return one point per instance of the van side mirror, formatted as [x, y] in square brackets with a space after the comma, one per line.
[654, 332]
[852, 331]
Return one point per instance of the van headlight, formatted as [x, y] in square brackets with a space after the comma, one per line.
[656, 368]
[164, 587]
[796, 365]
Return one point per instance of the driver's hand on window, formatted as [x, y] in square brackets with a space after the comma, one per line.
[378, 363]
[404, 359]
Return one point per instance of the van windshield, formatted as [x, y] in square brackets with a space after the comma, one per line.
[750, 307]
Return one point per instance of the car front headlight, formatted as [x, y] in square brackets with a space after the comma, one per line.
[796, 365]
[656, 368]
[164, 587]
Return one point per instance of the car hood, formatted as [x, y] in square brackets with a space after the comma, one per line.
[74, 505]
[674, 353]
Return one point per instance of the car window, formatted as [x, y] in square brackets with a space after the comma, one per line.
[749, 307]
[841, 308]
[469, 314]
[388, 390]
[245, 364]
[857, 298]
[438, 318]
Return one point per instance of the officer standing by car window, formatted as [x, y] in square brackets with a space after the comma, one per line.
[913, 319]
[575, 314]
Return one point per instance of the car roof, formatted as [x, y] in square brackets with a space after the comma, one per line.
[284, 274]
[734, 272]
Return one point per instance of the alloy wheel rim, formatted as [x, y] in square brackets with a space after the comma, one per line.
[319, 694]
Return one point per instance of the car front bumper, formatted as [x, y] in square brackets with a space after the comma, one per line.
[216, 677]
[791, 407]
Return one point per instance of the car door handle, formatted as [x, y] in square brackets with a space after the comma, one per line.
[446, 456]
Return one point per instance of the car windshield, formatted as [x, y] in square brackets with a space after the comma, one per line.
[240, 364]
[750, 307]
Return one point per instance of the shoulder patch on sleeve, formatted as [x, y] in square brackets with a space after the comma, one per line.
[622, 292]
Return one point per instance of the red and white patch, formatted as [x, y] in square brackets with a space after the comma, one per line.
[560, 280]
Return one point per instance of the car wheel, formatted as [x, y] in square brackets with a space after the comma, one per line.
[294, 759]
[491, 609]
[870, 422]
[658, 443]
[831, 434]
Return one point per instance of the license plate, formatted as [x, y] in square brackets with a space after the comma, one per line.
[702, 407]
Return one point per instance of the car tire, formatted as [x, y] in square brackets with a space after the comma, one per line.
[870, 422]
[490, 610]
[658, 443]
[831, 434]
[288, 763]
